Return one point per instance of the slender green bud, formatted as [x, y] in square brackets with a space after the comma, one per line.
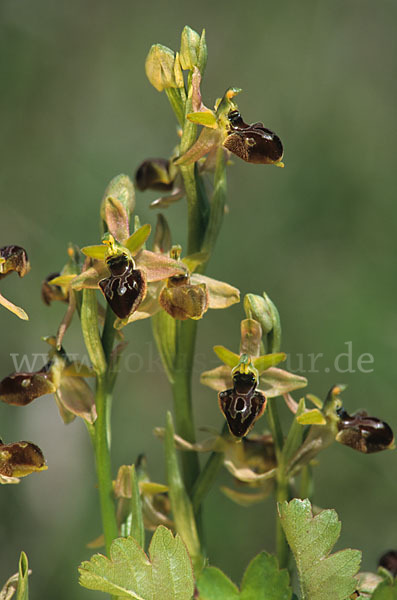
[257, 308]
[190, 49]
[159, 67]
[120, 189]
[202, 53]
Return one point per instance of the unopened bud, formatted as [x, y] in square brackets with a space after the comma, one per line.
[159, 67]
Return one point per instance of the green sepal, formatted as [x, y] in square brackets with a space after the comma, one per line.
[23, 585]
[229, 358]
[164, 332]
[268, 360]
[180, 502]
[135, 242]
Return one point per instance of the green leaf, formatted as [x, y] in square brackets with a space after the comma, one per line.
[22, 589]
[180, 502]
[386, 590]
[262, 581]
[137, 527]
[164, 331]
[322, 576]
[214, 585]
[130, 573]
[138, 238]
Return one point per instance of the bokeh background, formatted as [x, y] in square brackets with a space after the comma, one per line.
[318, 236]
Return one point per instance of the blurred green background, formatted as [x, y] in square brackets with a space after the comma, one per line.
[318, 236]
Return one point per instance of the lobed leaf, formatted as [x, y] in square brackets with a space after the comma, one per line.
[130, 573]
[322, 576]
[262, 580]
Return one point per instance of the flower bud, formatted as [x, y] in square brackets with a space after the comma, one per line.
[388, 561]
[253, 143]
[183, 300]
[155, 174]
[13, 258]
[159, 67]
[363, 433]
[258, 309]
[193, 49]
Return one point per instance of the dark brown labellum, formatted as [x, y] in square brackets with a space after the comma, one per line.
[125, 288]
[20, 458]
[16, 259]
[243, 405]
[21, 389]
[50, 292]
[154, 174]
[253, 143]
[388, 561]
[363, 433]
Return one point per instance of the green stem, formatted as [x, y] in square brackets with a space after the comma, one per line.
[217, 203]
[95, 348]
[182, 393]
[103, 465]
[282, 548]
[207, 476]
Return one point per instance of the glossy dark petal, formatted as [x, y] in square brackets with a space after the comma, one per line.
[16, 259]
[124, 292]
[20, 458]
[20, 389]
[253, 143]
[154, 174]
[241, 410]
[363, 433]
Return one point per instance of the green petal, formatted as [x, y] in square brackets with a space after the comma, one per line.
[228, 357]
[311, 417]
[135, 242]
[268, 360]
[98, 251]
[206, 118]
